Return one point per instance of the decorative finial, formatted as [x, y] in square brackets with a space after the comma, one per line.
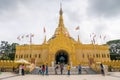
[78, 39]
[61, 12]
[60, 3]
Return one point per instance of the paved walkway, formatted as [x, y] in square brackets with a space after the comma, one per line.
[73, 71]
[11, 76]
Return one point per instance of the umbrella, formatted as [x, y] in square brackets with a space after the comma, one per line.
[22, 61]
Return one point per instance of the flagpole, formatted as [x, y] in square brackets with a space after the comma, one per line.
[31, 35]
[44, 31]
[30, 39]
[104, 39]
[77, 29]
[30, 50]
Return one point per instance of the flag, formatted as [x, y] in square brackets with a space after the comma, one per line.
[66, 34]
[104, 37]
[18, 38]
[44, 30]
[32, 35]
[93, 41]
[27, 35]
[94, 36]
[77, 28]
[22, 36]
[93, 33]
[100, 36]
[90, 35]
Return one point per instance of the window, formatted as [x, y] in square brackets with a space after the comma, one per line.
[39, 55]
[24, 56]
[35, 55]
[30, 55]
[104, 55]
[88, 55]
[21, 56]
[96, 55]
[27, 55]
[16, 56]
[108, 55]
[99, 55]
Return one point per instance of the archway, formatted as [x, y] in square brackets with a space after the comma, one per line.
[61, 57]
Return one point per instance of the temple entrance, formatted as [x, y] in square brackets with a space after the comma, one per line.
[61, 57]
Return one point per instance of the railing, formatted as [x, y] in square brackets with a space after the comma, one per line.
[113, 65]
[9, 65]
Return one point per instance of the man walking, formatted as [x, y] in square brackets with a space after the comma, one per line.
[61, 68]
[68, 68]
[46, 69]
[102, 69]
[56, 68]
[79, 69]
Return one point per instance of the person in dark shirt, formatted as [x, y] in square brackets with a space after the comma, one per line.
[79, 69]
[102, 69]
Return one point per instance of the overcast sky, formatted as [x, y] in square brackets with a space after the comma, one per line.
[22, 17]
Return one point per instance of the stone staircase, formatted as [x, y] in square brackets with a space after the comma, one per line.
[90, 71]
[73, 71]
[35, 71]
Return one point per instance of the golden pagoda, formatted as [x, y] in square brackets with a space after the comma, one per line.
[62, 48]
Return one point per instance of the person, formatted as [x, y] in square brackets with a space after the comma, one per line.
[61, 68]
[102, 69]
[40, 70]
[23, 67]
[56, 67]
[79, 69]
[110, 68]
[68, 68]
[20, 69]
[13, 69]
[46, 69]
[43, 69]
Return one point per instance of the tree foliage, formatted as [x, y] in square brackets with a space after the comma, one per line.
[114, 47]
[7, 50]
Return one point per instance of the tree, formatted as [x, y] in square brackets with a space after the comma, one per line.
[12, 51]
[7, 50]
[114, 47]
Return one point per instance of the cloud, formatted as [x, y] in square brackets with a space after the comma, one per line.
[8, 5]
[105, 8]
[19, 17]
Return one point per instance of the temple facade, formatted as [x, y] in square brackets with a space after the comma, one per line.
[62, 48]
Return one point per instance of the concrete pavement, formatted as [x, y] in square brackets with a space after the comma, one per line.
[11, 76]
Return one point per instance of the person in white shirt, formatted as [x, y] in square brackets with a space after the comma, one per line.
[20, 69]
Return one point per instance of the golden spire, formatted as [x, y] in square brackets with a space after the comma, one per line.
[78, 39]
[61, 28]
[61, 23]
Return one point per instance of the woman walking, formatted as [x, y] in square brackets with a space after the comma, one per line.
[23, 72]
[43, 69]
[46, 69]
[40, 70]
[20, 70]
